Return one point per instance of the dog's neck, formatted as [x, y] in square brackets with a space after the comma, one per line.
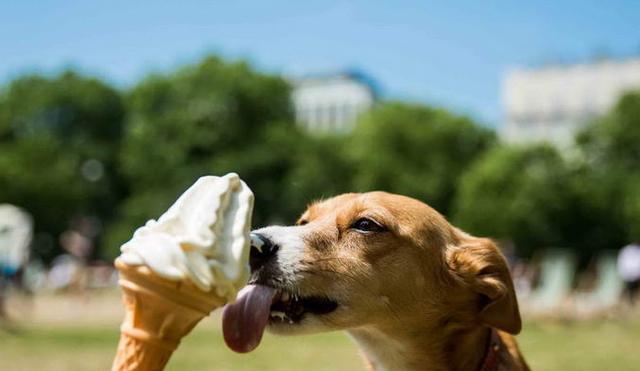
[421, 348]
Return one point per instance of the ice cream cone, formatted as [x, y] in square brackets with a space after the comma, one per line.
[158, 314]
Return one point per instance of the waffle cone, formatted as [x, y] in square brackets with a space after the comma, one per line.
[158, 314]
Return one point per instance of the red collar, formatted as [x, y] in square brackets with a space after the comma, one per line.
[491, 359]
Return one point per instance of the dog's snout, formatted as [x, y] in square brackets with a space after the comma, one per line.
[262, 250]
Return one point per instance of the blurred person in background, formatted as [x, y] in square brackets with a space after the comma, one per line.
[629, 269]
[16, 230]
[69, 271]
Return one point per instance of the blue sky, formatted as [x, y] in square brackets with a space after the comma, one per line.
[451, 53]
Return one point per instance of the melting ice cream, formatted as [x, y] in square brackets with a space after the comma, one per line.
[203, 237]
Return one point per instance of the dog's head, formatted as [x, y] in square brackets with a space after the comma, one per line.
[384, 260]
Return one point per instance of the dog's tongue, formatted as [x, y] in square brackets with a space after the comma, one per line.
[243, 322]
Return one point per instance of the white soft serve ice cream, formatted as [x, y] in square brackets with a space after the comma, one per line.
[203, 237]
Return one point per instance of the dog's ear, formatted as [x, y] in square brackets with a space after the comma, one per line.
[482, 268]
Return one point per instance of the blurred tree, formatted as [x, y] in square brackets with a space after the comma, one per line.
[209, 118]
[416, 151]
[516, 193]
[590, 222]
[320, 170]
[58, 140]
[610, 155]
[611, 143]
[632, 208]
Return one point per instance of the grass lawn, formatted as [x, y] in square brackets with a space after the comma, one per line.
[547, 346]
[92, 348]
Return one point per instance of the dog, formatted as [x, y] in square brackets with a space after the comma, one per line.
[413, 291]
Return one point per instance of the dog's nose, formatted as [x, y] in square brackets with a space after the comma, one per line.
[262, 250]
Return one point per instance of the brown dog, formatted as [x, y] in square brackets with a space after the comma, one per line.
[413, 291]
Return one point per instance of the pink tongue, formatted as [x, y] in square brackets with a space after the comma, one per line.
[243, 322]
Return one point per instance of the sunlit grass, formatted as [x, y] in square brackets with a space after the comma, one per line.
[92, 348]
[594, 345]
[583, 346]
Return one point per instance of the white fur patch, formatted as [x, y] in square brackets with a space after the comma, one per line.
[291, 247]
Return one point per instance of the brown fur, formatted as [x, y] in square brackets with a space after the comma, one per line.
[421, 295]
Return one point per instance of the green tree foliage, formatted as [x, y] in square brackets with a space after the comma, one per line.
[631, 208]
[516, 193]
[319, 170]
[588, 202]
[70, 147]
[415, 150]
[58, 140]
[610, 154]
[210, 118]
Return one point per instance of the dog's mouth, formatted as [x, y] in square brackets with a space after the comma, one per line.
[290, 308]
[257, 305]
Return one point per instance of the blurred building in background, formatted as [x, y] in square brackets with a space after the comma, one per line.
[331, 103]
[553, 103]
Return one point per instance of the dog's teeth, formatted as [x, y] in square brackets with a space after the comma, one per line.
[285, 296]
[278, 314]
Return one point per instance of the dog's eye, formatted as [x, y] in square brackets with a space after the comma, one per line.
[367, 225]
[302, 222]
